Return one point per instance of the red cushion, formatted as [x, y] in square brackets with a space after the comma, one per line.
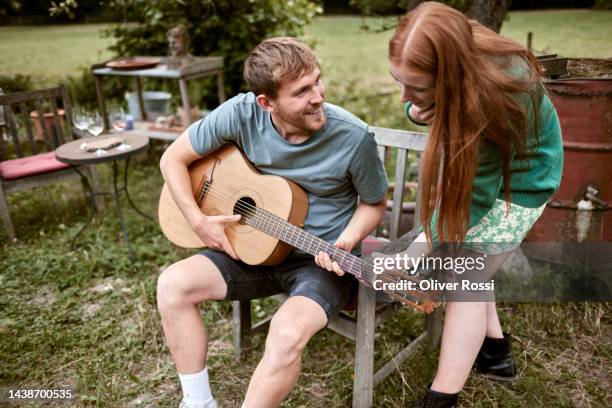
[31, 165]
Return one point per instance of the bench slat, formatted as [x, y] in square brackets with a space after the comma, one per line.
[400, 138]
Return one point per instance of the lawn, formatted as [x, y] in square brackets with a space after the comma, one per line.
[53, 52]
[83, 318]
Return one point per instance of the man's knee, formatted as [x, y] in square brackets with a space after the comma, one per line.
[286, 341]
[178, 286]
[170, 291]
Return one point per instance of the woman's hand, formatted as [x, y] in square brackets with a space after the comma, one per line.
[422, 115]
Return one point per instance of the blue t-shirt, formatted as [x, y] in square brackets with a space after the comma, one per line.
[334, 166]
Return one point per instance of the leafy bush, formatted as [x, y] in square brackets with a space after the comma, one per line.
[603, 4]
[378, 7]
[217, 28]
[16, 83]
[83, 89]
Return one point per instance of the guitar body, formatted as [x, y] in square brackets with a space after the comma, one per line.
[225, 183]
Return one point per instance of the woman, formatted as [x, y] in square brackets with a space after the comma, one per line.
[493, 157]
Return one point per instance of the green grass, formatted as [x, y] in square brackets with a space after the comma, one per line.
[569, 33]
[49, 53]
[84, 318]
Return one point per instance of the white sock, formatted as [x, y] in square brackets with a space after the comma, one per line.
[196, 389]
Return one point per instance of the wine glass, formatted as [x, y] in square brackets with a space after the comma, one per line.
[118, 119]
[81, 118]
[96, 127]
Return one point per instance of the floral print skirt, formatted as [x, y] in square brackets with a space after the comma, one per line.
[500, 230]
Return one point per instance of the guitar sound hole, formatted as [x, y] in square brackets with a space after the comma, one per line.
[246, 207]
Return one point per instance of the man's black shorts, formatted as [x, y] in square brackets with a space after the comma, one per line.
[298, 275]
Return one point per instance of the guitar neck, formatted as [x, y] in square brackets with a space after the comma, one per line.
[298, 238]
[278, 228]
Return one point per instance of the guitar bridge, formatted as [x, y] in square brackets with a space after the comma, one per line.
[204, 185]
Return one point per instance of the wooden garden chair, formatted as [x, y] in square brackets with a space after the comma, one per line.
[369, 313]
[27, 157]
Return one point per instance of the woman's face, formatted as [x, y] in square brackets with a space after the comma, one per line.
[416, 87]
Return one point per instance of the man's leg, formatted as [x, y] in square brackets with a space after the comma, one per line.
[210, 276]
[180, 288]
[297, 320]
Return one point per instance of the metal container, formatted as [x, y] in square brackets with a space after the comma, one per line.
[581, 91]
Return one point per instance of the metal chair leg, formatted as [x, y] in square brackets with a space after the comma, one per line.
[6, 217]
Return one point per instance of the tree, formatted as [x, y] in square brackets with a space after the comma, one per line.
[490, 13]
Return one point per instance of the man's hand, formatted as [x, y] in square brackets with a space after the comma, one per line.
[211, 231]
[422, 115]
[324, 261]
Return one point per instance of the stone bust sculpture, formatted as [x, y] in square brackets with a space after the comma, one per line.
[178, 42]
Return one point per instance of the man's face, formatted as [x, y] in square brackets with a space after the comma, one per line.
[298, 106]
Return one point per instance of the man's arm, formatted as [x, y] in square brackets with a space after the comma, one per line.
[174, 167]
[364, 220]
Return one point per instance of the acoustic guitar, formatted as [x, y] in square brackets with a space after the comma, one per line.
[272, 212]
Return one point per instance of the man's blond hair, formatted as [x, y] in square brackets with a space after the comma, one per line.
[275, 60]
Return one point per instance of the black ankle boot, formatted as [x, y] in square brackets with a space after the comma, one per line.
[495, 360]
[435, 399]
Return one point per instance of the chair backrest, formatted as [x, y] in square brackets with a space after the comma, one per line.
[403, 142]
[36, 121]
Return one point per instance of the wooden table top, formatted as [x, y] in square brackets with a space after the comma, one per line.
[74, 153]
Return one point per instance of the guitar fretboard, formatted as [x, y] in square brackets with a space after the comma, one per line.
[278, 228]
[298, 238]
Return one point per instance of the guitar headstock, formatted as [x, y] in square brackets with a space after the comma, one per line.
[426, 306]
[423, 301]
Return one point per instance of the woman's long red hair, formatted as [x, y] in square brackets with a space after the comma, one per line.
[476, 100]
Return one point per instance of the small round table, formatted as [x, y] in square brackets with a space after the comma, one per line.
[75, 153]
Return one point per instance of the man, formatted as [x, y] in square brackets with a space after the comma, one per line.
[284, 128]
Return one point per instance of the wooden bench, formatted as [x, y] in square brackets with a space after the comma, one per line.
[369, 313]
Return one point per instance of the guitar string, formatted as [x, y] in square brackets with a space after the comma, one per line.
[280, 223]
[247, 209]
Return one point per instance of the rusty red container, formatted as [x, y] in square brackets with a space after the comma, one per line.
[580, 211]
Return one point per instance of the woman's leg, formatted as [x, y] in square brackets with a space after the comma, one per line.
[494, 329]
[465, 327]
[464, 331]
